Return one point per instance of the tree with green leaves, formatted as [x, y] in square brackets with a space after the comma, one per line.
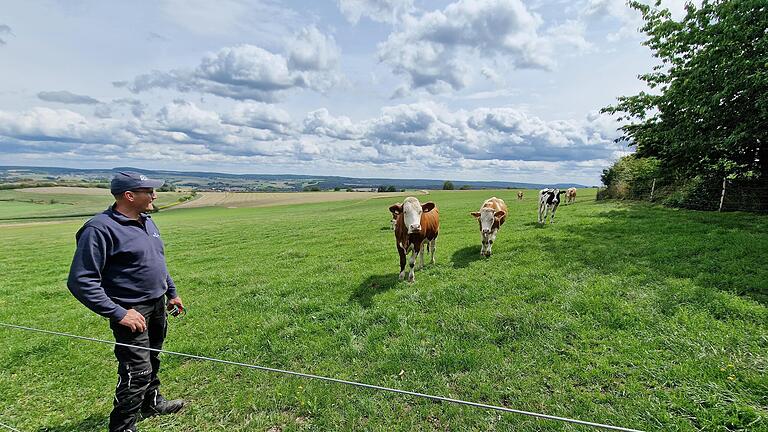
[707, 112]
[448, 185]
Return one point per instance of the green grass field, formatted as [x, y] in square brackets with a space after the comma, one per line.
[619, 313]
[26, 204]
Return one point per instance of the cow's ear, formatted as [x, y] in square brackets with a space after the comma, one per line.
[428, 206]
[396, 208]
[475, 214]
[500, 214]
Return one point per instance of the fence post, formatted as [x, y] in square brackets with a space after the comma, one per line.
[653, 187]
[722, 195]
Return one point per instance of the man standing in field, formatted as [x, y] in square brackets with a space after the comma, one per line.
[119, 272]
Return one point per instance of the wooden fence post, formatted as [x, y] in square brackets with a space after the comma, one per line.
[653, 187]
[722, 196]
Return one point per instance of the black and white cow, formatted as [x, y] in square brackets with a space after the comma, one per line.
[549, 199]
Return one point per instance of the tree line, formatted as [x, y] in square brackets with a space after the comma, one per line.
[705, 118]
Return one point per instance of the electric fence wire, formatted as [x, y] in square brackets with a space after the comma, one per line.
[3, 425]
[335, 380]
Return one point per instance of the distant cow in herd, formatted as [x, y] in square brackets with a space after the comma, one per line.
[416, 225]
[570, 195]
[520, 195]
[490, 217]
[549, 199]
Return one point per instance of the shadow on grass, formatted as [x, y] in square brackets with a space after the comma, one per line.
[725, 252]
[20, 355]
[373, 286]
[464, 256]
[535, 224]
[92, 423]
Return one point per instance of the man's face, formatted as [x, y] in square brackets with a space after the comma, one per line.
[142, 199]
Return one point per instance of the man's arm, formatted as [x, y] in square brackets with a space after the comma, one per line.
[85, 275]
[173, 297]
[171, 291]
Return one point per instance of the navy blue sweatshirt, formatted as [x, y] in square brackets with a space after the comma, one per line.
[119, 261]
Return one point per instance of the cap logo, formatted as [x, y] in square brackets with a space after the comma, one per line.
[142, 178]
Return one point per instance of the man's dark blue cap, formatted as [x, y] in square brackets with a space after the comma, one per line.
[129, 180]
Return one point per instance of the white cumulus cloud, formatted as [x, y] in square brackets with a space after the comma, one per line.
[65, 126]
[426, 137]
[438, 50]
[260, 116]
[386, 11]
[249, 72]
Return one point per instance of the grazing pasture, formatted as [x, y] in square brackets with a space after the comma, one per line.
[619, 313]
[59, 202]
[267, 199]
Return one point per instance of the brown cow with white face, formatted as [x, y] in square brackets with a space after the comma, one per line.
[491, 217]
[520, 195]
[417, 225]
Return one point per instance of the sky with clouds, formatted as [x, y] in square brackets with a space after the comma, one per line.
[465, 90]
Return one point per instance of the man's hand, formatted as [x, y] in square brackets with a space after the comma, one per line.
[135, 321]
[177, 302]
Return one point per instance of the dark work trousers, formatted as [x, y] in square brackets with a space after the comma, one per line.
[137, 369]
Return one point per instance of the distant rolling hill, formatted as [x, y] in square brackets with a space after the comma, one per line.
[247, 182]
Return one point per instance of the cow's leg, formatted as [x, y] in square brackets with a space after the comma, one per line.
[412, 262]
[542, 212]
[432, 244]
[552, 218]
[401, 251]
[491, 239]
[424, 245]
[484, 244]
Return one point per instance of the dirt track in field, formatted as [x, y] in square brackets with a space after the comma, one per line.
[265, 199]
[67, 190]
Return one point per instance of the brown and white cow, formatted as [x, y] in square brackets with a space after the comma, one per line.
[570, 195]
[417, 225]
[394, 212]
[491, 217]
[520, 195]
